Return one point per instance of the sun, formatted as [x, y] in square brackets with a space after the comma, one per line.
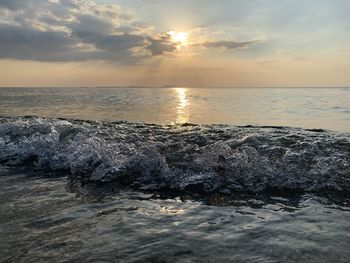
[179, 37]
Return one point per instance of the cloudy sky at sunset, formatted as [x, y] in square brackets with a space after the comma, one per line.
[198, 43]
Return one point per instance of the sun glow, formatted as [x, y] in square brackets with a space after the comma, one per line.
[179, 37]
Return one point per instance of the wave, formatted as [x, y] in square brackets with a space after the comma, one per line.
[189, 158]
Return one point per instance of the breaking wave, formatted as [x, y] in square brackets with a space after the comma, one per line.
[191, 159]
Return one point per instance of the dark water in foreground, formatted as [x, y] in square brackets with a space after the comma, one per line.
[41, 222]
[78, 191]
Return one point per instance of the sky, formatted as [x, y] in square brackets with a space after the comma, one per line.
[190, 43]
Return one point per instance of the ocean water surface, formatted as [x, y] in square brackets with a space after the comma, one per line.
[326, 108]
[174, 175]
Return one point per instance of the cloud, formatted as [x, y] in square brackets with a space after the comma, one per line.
[226, 44]
[75, 30]
[29, 44]
[13, 4]
[163, 44]
[81, 30]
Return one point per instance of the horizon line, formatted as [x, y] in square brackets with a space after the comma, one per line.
[180, 86]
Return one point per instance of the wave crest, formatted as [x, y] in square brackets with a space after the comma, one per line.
[185, 158]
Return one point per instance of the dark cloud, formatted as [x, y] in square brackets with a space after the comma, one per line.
[161, 45]
[28, 44]
[90, 25]
[69, 3]
[120, 42]
[227, 44]
[14, 4]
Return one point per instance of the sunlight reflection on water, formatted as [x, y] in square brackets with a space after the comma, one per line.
[183, 105]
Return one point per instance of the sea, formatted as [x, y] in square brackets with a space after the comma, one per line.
[174, 174]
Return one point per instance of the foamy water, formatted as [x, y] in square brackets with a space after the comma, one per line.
[189, 159]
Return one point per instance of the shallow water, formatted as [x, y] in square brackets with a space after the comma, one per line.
[41, 222]
[326, 108]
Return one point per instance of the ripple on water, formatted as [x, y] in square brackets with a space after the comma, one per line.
[41, 222]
